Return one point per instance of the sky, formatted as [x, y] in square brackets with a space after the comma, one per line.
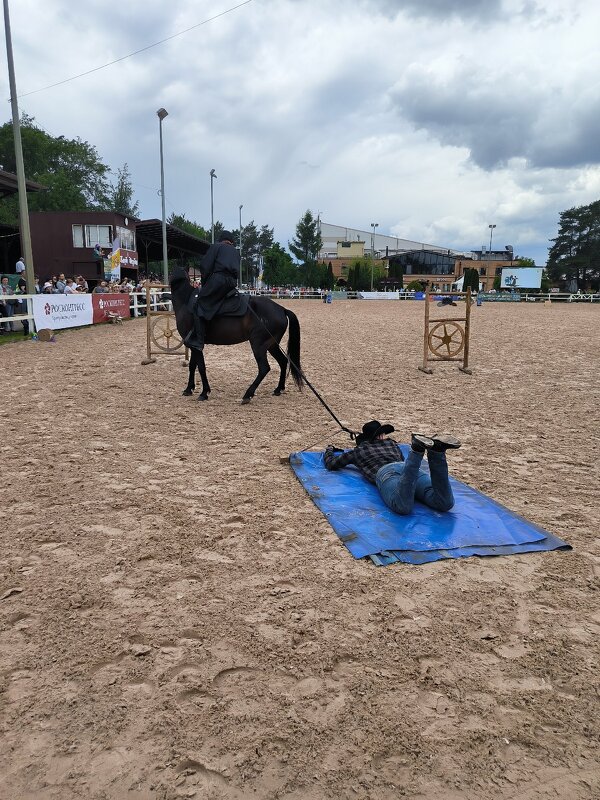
[433, 118]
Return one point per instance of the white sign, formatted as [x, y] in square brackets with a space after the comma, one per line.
[521, 278]
[56, 311]
[378, 295]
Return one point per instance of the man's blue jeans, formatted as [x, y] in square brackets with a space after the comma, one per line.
[401, 482]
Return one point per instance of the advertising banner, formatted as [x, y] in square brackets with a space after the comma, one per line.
[115, 303]
[521, 278]
[56, 311]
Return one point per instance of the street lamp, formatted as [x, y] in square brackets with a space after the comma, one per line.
[491, 227]
[241, 245]
[213, 175]
[373, 225]
[162, 113]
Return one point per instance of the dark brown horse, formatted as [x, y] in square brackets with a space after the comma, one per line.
[263, 326]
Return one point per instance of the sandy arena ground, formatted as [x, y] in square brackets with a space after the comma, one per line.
[177, 619]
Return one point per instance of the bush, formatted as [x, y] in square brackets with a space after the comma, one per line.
[415, 286]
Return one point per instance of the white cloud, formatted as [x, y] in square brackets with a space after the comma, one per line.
[433, 117]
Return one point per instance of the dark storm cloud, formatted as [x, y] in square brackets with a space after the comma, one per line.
[499, 120]
[439, 9]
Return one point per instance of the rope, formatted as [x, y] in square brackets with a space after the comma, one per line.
[351, 433]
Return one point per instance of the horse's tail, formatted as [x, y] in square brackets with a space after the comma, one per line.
[293, 348]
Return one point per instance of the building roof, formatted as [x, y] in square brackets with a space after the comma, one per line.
[148, 233]
[9, 184]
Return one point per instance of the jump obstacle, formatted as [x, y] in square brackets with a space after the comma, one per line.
[160, 332]
[447, 339]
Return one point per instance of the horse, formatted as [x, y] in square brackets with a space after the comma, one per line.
[263, 325]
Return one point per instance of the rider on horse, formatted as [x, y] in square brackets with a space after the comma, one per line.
[220, 270]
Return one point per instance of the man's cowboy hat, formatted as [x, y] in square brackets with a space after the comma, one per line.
[371, 430]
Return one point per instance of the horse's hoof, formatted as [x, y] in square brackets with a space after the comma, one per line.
[202, 397]
[246, 400]
[187, 392]
[277, 392]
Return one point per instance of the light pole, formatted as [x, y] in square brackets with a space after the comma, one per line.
[162, 113]
[373, 225]
[491, 227]
[241, 245]
[213, 175]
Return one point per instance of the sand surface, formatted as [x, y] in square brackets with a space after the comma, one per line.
[177, 619]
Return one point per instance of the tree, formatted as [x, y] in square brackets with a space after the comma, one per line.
[471, 279]
[180, 221]
[278, 267]
[71, 170]
[574, 257]
[120, 194]
[307, 243]
[254, 243]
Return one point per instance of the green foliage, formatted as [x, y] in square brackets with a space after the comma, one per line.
[180, 221]
[524, 262]
[471, 279]
[306, 245]
[71, 170]
[360, 272]
[415, 286]
[120, 194]
[497, 283]
[255, 242]
[278, 267]
[574, 257]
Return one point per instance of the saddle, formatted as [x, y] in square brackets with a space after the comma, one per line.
[234, 304]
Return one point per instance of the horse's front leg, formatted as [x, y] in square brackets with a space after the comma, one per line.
[191, 384]
[202, 370]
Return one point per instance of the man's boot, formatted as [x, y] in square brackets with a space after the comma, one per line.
[195, 338]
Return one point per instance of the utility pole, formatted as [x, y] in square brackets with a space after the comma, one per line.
[21, 185]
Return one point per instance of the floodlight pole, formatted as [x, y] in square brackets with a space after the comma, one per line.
[162, 113]
[21, 184]
[213, 175]
[373, 225]
[241, 245]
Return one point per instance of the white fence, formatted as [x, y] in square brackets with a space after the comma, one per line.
[137, 300]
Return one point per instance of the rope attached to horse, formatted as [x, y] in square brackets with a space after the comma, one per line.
[351, 433]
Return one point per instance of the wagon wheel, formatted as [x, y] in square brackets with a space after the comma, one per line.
[164, 336]
[446, 339]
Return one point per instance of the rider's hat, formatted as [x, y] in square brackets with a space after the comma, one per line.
[226, 236]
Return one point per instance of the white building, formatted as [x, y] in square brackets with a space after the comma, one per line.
[377, 244]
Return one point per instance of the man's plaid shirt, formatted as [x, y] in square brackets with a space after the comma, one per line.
[369, 457]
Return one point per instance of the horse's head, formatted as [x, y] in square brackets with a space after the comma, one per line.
[179, 278]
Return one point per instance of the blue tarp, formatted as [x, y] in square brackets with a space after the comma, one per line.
[477, 525]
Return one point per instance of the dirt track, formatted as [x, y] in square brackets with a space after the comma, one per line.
[184, 623]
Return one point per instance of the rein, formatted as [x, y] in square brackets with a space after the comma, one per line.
[351, 433]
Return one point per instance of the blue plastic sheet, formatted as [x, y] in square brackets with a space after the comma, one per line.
[477, 525]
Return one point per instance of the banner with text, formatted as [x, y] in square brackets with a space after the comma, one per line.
[56, 311]
[114, 303]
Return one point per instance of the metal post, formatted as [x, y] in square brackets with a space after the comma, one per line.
[162, 113]
[373, 225]
[491, 227]
[241, 245]
[213, 175]
[21, 185]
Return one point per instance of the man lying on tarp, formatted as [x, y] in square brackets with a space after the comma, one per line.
[400, 482]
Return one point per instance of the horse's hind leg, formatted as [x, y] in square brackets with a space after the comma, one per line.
[263, 371]
[281, 359]
[203, 377]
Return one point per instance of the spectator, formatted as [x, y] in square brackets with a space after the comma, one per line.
[7, 307]
[48, 288]
[102, 288]
[36, 285]
[61, 283]
[70, 287]
[22, 289]
[81, 284]
[20, 266]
